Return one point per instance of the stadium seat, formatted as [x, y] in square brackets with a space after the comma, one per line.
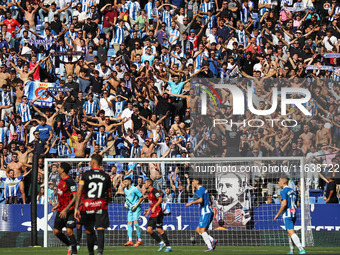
[321, 201]
[312, 200]
[40, 28]
[111, 52]
[276, 201]
[315, 193]
[101, 28]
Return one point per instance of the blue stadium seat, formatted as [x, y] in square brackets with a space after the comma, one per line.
[40, 28]
[111, 52]
[321, 201]
[312, 200]
[315, 193]
[39, 22]
[101, 28]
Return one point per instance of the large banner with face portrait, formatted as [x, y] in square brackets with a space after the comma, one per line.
[234, 204]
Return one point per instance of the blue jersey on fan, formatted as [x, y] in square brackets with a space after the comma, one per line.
[289, 195]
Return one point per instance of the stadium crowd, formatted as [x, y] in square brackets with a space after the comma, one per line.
[129, 64]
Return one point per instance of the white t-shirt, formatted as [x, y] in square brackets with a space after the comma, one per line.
[81, 15]
[31, 137]
[326, 41]
[127, 114]
[105, 106]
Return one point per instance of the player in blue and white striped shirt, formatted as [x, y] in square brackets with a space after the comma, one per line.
[24, 110]
[134, 8]
[207, 213]
[288, 211]
[90, 107]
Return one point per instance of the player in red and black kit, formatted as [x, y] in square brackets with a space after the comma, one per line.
[80, 224]
[156, 216]
[67, 189]
[96, 185]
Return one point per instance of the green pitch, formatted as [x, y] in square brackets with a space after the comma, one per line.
[187, 250]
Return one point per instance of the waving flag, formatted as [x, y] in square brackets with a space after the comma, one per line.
[34, 89]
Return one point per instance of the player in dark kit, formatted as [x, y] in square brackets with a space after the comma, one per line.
[67, 189]
[80, 224]
[96, 186]
[156, 216]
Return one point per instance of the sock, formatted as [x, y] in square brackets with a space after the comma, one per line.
[90, 242]
[210, 238]
[62, 237]
[79, 234]
[291, 245]
[206, 240]
[95, 238]
[73, 243]
[156, 237]
[130, 231]
[165, 239]
[101, 240]
[138, 232]
[296, 241]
